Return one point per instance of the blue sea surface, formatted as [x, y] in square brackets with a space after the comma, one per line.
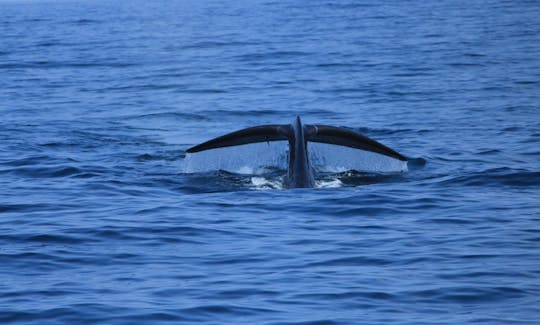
[104, 217]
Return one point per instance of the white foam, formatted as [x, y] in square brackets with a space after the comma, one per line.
[329, 184]
[262, 183]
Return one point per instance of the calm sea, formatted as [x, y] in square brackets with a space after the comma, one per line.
[105, 219]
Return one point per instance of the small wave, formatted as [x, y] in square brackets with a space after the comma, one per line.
[526, 82]
[215, 44]
[474, 55]
[84, 21]
[54, 239]
[335, 65]
[375, 295]
[271, 55]
[199, 91]
[28, 161]
[26, 207]
[51, 44]
[167, 155]
[225, 309]
[498, 177]
[464, 65]
[180, 116]
[469, 294]
[352, 261]
[220, 114]
[44, 172]
[411, 74]
[61, 65]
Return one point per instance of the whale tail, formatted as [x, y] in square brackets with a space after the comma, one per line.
[349, 138]
[316, 133]
[262, 133]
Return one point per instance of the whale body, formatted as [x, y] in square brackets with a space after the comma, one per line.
[300, 172]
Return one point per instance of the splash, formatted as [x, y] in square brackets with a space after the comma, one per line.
[264, 164]
[338, 159]
[251, 159]
[267, 183]
[263, 183]
[333, 183]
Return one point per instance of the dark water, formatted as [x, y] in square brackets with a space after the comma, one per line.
[102, 221]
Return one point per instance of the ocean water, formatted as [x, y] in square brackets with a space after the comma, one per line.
[104, 218]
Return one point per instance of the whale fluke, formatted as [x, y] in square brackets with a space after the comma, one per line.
[348, 138]
[300, 171]
[262, 133]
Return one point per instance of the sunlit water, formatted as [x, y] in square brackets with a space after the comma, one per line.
[105, 219]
